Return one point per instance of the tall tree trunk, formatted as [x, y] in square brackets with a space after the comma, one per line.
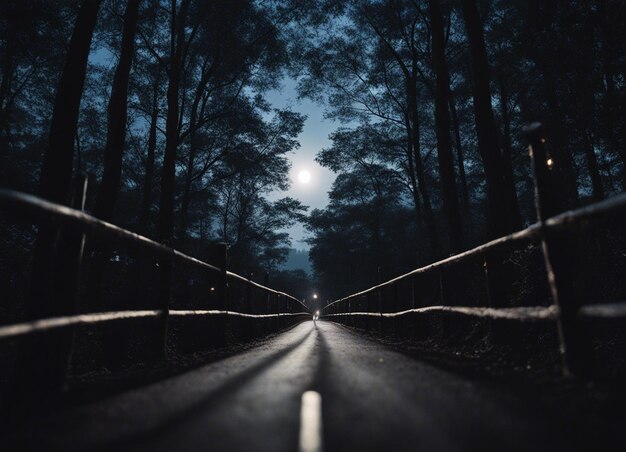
[165, 226]
[146, 197]
[586, 111]
[186, 195]
[56, 172]
[412, 179]
[115, 336]
[197, 111]
[592, 165]
[8, 70]
[507, 158]
[38, 375]
[500, 207]
[608, 68]
[117, 114]
[413, 129]
[417, 210]
[564, 167]
[417, 165]
[459, 157]
[168, 176]
[541, 23]
[442, 126]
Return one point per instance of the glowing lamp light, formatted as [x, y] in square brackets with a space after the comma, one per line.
[550, 162]
[314, 296]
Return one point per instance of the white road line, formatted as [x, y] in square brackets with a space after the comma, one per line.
[311, 422]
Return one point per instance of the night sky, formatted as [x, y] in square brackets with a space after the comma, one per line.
[314, 137]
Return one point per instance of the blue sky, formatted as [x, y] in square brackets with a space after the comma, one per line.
[313, 138]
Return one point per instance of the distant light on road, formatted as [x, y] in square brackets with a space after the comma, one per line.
[315, 296]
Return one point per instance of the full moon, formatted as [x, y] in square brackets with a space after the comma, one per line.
[304, 177]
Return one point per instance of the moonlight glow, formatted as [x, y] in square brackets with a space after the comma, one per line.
[304, 177]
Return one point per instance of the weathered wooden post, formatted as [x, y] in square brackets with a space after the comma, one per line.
[442, 287]
[379, 290]
[166, 270]
[558, 257]
[249, 293]
[222, 287]
[266, 283]
[350, 322]
[495, 292]
[488, 285]
[66, 283]
[443, 300]
[43, 359]
[395, 308]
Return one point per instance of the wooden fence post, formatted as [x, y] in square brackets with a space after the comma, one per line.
[495, 278]
[166, 270]
[380, 299]
[43, 359]
[558, 257]
[222, 288]
[266, 283]
[249, 293]
[443, 296]
[442, 287]
[66, 285]
[396, 300]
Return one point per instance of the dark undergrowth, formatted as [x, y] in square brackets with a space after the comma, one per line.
[192, 343]
[522, 358]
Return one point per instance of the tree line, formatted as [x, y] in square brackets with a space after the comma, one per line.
[434, 95]
[163, 105]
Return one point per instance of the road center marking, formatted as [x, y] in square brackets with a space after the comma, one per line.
[311, 422]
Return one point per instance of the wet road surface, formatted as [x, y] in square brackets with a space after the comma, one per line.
[372, 398]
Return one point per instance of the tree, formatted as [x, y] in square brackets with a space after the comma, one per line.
[365, 227]
[117, 116]
[502, 209]
[442, 126]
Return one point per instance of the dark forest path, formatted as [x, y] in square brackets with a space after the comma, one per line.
[373, 398]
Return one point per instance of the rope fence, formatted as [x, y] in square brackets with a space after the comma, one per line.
[549, 232]
[53, 301]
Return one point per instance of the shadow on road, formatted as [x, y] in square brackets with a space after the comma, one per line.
[231, 385]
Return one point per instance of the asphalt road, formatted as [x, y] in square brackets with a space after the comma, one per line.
[373, 398]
